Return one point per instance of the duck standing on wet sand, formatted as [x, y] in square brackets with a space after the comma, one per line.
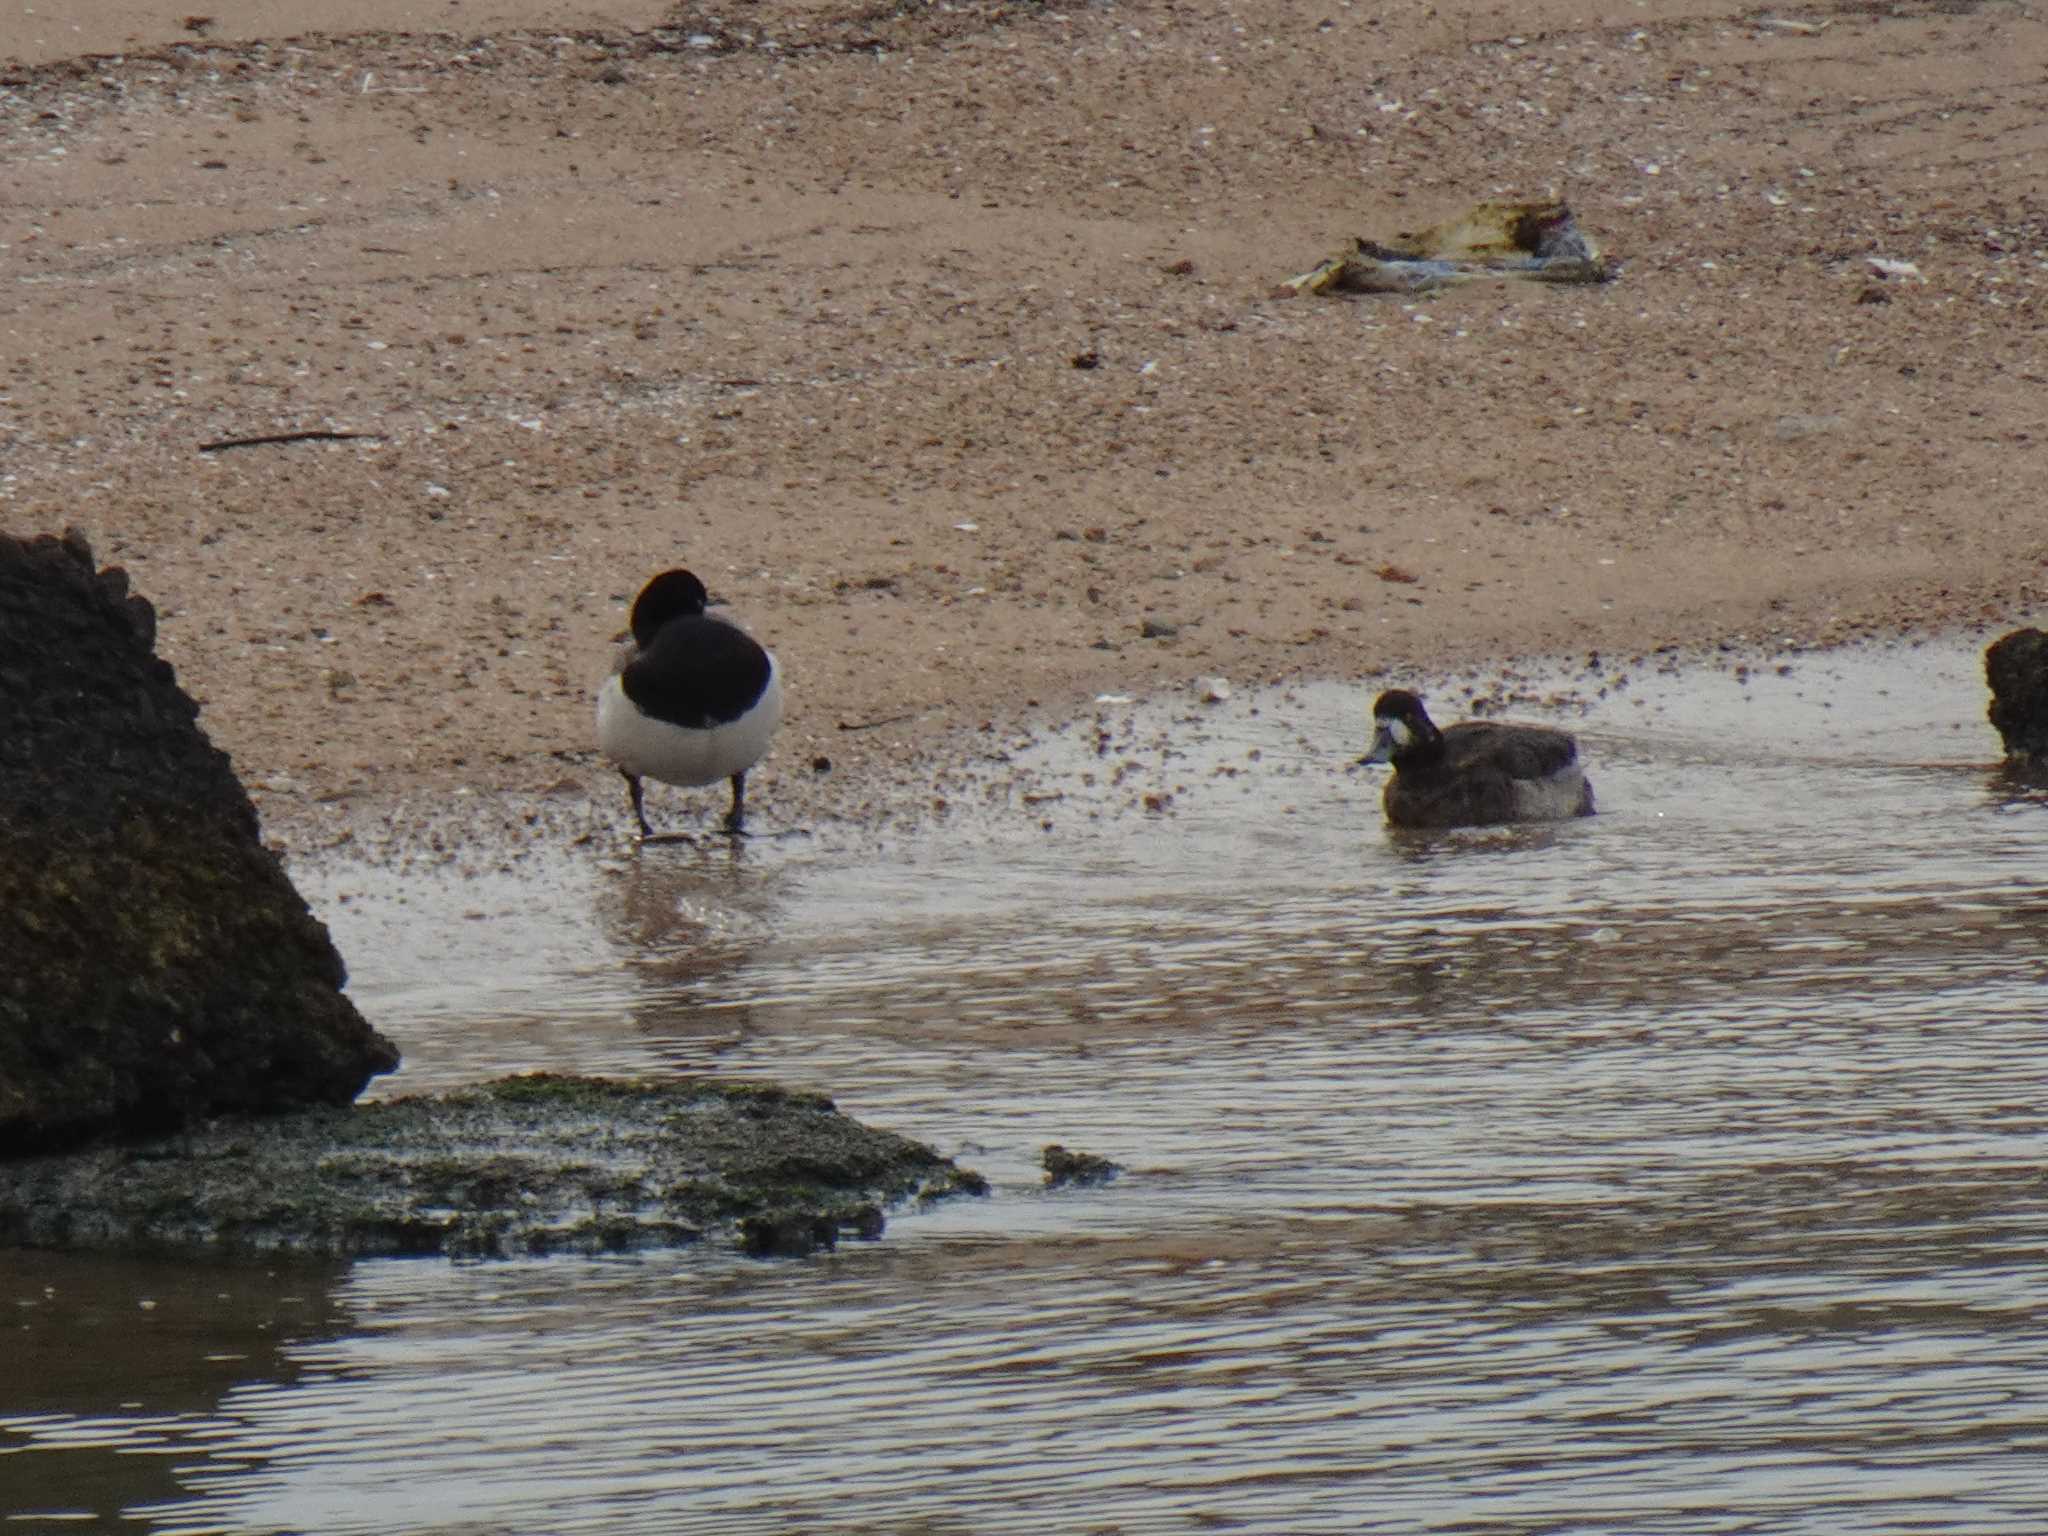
[691, 699]
[1475, 773]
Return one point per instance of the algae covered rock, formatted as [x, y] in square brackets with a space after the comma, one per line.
[2016, 667]
[1081, 1169]
[155, 962]
[525, 1165]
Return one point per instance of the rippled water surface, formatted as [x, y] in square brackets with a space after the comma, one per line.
[1677, 1170]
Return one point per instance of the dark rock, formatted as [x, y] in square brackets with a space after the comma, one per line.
[526, 1165]
[1064, 1167]
[787, 1234]
[2017, 669]
[155, 962]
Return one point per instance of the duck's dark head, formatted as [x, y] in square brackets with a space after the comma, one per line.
[672, 595]
[1400, 726]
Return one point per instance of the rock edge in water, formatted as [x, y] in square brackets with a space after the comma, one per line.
[1081, 1169]
[2016, 668]
[156, 965]
[521, 1166]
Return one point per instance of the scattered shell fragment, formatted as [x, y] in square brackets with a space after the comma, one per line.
[1888, 266]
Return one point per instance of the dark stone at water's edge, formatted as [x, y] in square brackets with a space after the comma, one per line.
[1077, 1168]
[2016, 667]
[525, 1165]
[155, 963]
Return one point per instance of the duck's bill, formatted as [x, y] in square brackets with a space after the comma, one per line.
[1381, 751]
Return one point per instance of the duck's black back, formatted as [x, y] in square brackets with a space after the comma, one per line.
[1518, 751]
[698, 672]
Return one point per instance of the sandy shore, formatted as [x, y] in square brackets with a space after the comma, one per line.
[796, 298]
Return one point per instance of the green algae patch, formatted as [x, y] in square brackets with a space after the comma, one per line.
[522, 1166]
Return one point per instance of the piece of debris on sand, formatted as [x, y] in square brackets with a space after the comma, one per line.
[1537, 241]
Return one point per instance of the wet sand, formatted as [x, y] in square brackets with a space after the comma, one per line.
[802, 298]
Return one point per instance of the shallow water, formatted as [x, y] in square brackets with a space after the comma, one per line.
[1676, 1170]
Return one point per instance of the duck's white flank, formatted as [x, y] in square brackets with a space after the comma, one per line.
[1553, 798]
[675, 754]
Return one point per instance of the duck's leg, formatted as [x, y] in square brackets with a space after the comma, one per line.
[639, 813]
[735, 818]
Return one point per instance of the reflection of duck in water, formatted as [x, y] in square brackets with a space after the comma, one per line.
[1476, 772]
[691, 699]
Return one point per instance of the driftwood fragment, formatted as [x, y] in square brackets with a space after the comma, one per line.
[316, 435]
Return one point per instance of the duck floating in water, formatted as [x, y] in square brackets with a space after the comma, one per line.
[691, 699]
[1475, 773]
